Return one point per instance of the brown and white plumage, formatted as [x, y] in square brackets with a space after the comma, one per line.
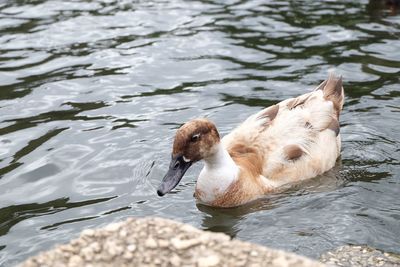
[293, 140]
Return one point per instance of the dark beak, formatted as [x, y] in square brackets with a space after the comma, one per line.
[177, 169]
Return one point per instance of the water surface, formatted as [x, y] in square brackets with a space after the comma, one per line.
[91, 93]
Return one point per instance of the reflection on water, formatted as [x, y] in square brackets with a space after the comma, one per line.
[378, 8]
[16, 213]
[91, 94]
[228, 220]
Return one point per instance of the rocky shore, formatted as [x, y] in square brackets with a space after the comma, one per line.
[360, 256]
[161, 242]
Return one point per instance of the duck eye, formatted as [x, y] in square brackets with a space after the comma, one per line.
[195, 137]
[176, 165]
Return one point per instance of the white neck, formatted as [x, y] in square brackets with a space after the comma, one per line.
[219, 172]
[219, 159]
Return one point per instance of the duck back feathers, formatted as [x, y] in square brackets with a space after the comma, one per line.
[295, 139]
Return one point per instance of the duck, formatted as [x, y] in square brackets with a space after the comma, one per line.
[293, 140]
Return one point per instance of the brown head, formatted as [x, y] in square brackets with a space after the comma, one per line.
[194, 141]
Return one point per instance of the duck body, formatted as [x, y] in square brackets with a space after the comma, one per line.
[294, 140]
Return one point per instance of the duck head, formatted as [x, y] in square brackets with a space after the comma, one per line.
[194, 141]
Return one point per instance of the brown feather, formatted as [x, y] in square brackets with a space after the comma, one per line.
[333, 91]
[321, 86]
[269, 113]
[233, 196]
[334, 126]
[243, 190]
[194, 151]
[298, 101]
[292, 152]
[247, 157]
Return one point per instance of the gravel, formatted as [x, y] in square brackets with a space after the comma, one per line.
[161, 242]
[360, 256]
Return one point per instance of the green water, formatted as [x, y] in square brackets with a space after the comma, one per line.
[91, 93]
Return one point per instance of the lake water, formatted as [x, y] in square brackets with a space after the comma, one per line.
[92, 92]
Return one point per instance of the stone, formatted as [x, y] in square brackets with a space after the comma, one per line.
[113, 248]
[208, 261]
[184, 244]
[87, 254]
[95, 246]
[123, 233]
[128, 255]
[253, 253]
[175, 260]
[151, 243]
[112, 227]
[88, 232]
[163, 243]
[131, 247]
[75, 260]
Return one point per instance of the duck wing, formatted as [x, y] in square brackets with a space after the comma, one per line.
[295, 139]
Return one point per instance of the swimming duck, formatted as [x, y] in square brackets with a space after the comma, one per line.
[293, 140]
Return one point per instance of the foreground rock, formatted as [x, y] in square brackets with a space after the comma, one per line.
[360, 256]
[160, 242]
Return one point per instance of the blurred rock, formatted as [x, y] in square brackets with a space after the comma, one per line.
[360, 256]
[161, 242]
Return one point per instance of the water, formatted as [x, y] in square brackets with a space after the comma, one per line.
[91, 93]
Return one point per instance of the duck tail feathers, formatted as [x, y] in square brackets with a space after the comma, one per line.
[333, 91]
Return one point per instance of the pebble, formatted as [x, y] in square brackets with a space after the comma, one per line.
[68, 248]
[87, 253]
[123, 233]
[208, 261]
[184, 244]
[127, 255]
[253, 253]
[95, 246]
[151, 243]
[113, 248]
[131, 247]
[75, 260]
[88, 232]
[175, 260]
[163, 243]
[112, 227]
